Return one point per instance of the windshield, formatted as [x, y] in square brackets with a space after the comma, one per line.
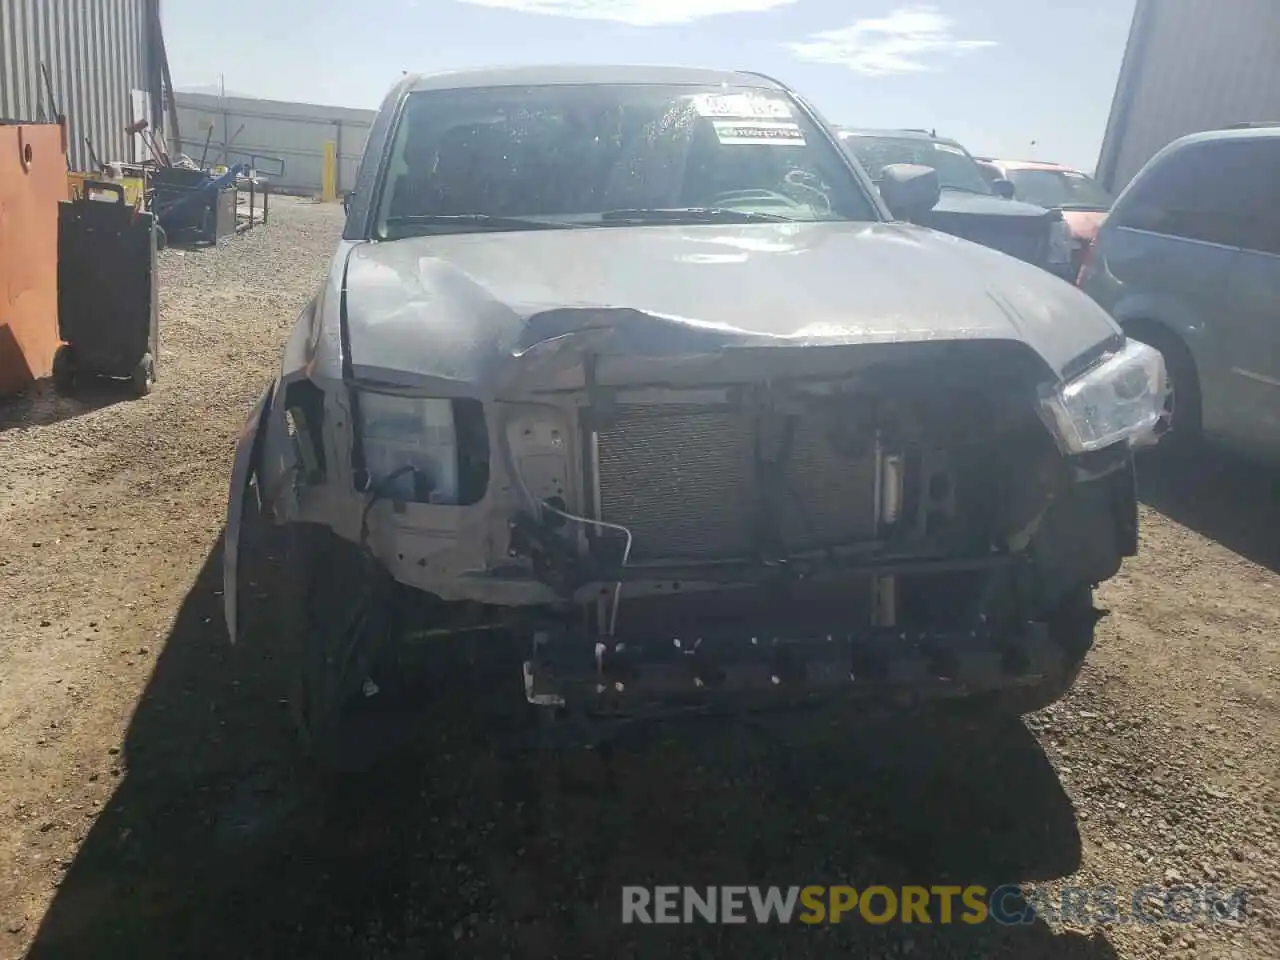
[599, 155]
[956, 169]
[1059, 188]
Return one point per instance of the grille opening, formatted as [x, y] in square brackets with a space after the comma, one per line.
[789, 469]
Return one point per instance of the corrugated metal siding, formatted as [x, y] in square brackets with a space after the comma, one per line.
[1195, 65]
[295, 133]
[96, 52]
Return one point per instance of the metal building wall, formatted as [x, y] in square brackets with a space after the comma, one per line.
[1190, 65]
[97, 54]
[238, 128]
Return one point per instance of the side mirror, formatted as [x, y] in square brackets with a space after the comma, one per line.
[1003, 188]
[909, 189]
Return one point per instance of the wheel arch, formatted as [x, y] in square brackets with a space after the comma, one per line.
[247, 458]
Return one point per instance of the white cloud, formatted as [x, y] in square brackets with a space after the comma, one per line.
[901, 42]
[637, 13]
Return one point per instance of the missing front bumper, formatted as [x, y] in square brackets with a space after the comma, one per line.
[611, 677]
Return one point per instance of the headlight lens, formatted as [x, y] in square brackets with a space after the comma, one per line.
[1121, 398]
[1061, 243]
[410, 447]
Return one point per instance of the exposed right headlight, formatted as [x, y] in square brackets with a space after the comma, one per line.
[1121, 398]
[410, 447]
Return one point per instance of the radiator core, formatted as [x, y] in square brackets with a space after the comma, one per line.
[683, 480]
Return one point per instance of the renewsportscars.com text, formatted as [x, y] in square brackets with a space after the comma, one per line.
[942, 904]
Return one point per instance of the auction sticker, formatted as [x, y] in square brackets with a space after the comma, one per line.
[948, 148]
[759, 131]
[741, 106]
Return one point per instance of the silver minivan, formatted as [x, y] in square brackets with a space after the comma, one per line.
[1189, 262]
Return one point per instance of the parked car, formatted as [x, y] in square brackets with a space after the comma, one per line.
[970, 206]
[1082, 200]
[637, 367]
[1188, 261]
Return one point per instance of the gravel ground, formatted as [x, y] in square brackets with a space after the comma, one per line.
[150, 807]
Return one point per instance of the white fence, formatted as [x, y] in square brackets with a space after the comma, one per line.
[283, 141]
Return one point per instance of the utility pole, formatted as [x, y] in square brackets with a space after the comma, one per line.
[226, 122]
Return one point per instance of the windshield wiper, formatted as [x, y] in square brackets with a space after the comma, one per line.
[482, 220]
[689, 215]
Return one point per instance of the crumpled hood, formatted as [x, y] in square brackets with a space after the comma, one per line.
[459, 307]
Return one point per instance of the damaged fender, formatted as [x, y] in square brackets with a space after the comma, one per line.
[244, 468]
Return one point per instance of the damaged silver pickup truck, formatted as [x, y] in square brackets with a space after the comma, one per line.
[636, 366]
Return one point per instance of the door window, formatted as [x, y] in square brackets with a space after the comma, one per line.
[1224, 192]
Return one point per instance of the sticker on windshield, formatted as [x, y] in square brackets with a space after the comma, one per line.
[948, 148]
[759, 131]
[744, 106]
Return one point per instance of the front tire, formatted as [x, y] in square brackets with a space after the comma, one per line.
[337, 614]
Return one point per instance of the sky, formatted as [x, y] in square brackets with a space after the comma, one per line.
[1011, 78]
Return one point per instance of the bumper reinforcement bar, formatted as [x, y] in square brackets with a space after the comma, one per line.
[612, 676]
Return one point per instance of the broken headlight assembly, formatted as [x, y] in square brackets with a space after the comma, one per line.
[1119, 399]
[408, 447]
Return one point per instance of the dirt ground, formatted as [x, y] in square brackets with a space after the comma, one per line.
[150, 804]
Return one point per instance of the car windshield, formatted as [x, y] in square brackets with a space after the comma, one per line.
[1059, 188]
[565, 156]
[956, 169]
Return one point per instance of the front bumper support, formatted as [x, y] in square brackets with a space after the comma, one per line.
[612, 677]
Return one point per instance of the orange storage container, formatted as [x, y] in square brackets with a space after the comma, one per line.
[33, 179]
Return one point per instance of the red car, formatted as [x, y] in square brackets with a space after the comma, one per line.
[1082, 200]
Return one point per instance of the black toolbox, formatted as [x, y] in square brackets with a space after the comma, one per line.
[107, 291]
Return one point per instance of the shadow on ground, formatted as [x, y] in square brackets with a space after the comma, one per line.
[39, 404]
[1219, 495]
[216, 846]
[186, 244]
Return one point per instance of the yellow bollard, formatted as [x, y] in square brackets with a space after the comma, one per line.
[329, 173]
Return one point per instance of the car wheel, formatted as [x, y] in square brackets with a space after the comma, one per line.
[1180, 425]
[64, 369]
[336, 614]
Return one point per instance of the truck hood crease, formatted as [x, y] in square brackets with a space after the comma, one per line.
[464, 311]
